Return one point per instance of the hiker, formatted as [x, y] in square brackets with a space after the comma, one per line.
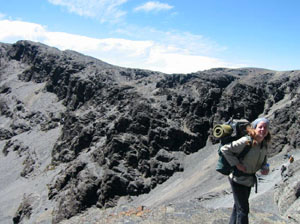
[242, 178]
[285, 167]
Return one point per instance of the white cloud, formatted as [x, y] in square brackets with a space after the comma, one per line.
[2, 15]
[16, 30]
[185, 42]
[153, 6]
[149, 54]
[103, 10]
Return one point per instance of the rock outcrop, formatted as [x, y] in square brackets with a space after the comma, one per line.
[119, 131]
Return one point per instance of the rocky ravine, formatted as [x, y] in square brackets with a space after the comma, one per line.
[77, 133]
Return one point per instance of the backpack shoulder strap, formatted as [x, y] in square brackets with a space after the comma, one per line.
[247, 148]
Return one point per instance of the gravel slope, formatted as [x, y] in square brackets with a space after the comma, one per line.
[196, 195]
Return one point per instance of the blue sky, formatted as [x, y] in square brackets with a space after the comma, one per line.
[171, 36]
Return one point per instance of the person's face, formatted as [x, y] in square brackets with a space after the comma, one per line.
[261, 130]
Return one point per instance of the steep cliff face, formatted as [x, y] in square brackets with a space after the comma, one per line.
[90, 132]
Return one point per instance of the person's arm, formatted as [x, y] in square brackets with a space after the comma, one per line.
[231, 150]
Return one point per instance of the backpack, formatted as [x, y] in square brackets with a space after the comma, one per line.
[226, 133]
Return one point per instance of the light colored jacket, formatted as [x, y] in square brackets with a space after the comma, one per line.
[253, 160]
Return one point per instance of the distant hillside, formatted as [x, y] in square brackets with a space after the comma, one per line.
[77, 132]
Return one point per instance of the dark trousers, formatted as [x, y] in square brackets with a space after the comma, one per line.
[240, 210]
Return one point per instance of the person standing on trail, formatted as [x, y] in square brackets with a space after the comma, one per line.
[242, 178]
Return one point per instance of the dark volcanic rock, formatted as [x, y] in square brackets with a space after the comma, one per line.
[25, 209]
[75, 189]
[125, 131]
[287, 193]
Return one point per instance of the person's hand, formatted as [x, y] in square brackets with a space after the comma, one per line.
[241, 167]
[265, 169]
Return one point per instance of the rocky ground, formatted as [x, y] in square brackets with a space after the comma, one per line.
[185, 198]
[83, 141]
